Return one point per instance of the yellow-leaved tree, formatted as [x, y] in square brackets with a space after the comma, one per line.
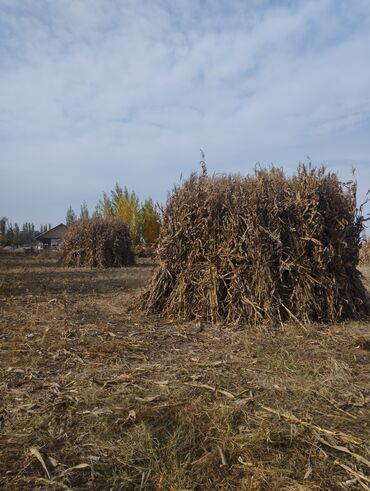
[127, 207]
[150, 222]
[143, 220]
[105, 206]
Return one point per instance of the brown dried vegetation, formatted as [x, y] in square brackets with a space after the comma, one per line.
[262, 248]
[365, 253]
[95, 396]
[97, 243]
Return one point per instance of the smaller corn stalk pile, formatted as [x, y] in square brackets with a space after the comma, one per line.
[261, 248]
[97, 243]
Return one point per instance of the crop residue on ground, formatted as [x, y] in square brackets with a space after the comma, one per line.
[95, 395]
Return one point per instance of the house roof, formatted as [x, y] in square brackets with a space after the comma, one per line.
[57, 232]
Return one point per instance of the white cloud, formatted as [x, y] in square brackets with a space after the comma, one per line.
[97, 91]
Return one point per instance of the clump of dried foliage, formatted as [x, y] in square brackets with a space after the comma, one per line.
[365, 253]
[97, 243]
[261, 248]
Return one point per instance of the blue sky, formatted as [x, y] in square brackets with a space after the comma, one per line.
[98, 91]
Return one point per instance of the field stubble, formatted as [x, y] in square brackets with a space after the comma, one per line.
[94, 395]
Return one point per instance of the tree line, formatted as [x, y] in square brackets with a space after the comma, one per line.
[142, 218]
[11, 234]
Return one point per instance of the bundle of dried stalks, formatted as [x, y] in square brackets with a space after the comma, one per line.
[261, 248]
[97, 243]
[365, 253]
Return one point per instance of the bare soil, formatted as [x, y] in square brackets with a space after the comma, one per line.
[95, 395]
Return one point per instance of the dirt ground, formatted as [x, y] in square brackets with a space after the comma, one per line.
[96, 396]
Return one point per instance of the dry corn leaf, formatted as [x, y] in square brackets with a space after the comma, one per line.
[308, 472]
[53, 462]
[147, 399]
[75, 468]
[35, 453]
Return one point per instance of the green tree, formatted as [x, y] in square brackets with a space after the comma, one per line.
[84, 212]
[17, 239]
[10, 235]
[97, 212]
[70, 216]
[28, 233]
[3, 222]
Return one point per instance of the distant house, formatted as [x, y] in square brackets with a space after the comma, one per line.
[53, 237]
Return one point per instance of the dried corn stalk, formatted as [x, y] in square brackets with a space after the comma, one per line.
[97, 243]
[261, 248]
[365, 253]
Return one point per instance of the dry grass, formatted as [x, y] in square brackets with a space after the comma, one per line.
[261, 248]
[96, 396]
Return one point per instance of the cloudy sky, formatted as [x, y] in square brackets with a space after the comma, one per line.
[98, 91]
